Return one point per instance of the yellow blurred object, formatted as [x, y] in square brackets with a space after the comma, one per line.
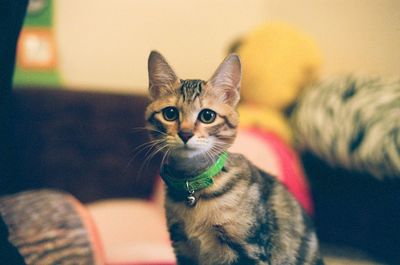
[267, 118]
[278, 61]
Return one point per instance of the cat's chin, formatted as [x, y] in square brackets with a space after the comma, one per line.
[187, 152]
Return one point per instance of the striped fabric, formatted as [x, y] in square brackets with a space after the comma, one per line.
[49, 227]
[352, 123]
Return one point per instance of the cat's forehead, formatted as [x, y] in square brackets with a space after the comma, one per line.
[190, 89]
[190, 96]
[195, 94]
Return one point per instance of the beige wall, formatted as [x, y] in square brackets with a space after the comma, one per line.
[361, 36]
[104, 44]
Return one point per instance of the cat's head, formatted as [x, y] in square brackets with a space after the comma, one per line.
[193, 117]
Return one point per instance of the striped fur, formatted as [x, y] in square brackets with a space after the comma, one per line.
[246, 216]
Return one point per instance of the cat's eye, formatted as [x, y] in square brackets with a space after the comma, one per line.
[207, 116]
[170, 113]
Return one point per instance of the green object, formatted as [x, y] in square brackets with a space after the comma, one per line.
[40, 14]
[199, 182]
[35, 78]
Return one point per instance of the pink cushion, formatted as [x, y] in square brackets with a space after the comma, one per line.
[132, 231]
[270, 153]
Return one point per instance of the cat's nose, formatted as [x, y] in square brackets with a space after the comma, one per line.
[185, 136]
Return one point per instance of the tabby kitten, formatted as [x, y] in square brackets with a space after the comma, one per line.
[220, 208]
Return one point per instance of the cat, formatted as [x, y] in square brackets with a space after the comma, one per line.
[220, 208]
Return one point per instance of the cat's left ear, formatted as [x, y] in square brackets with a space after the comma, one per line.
[226, 79]
[162, 77]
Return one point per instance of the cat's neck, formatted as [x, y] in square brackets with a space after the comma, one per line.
[189, 167]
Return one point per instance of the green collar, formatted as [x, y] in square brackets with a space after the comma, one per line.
[199, 182]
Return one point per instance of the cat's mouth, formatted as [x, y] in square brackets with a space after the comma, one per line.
[193, 147]
[188, 150]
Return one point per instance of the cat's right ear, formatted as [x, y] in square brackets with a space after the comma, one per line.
[161, 76]
[226, 79]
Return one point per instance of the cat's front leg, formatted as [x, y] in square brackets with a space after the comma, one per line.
[184, 249]
[238, 249]
[183, 260]
[186, 252]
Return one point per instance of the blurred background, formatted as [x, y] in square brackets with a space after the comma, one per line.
[104, 44]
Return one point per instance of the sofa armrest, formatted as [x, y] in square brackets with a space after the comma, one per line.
[82, 143]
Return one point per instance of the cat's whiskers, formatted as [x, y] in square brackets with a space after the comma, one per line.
[149, 144]
[139, 149]
[150, 155]
[219, 147]
[143, 147]
[209, 156]
[144, 128]
[150, 150]
[165, 156]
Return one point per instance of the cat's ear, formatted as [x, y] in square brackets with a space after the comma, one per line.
[226, 79]
[161, 76]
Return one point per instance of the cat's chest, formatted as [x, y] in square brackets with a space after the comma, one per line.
[222, 213]
[198, 220]
[206, 212]
[231, 208]
[202, 222]
[199, 226]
